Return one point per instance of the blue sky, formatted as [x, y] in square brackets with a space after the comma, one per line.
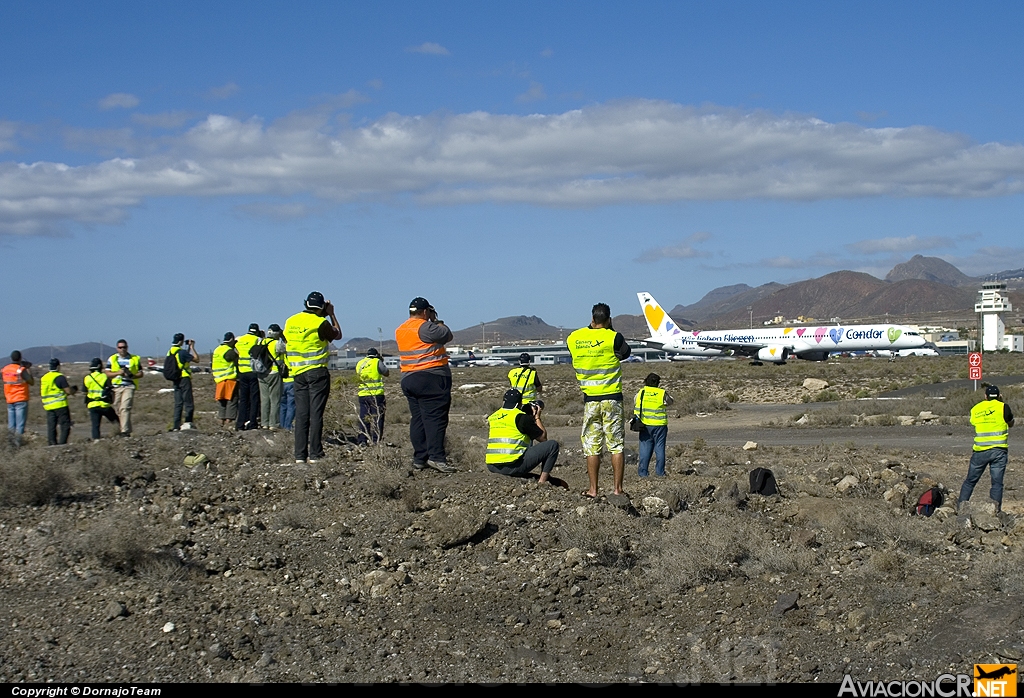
[200, 166]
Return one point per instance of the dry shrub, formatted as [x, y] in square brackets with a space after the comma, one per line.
[118, 544]
[385, 472]
[459, 451]
[609, 535]
[295, 516]
[1001, 571]
[31, 476]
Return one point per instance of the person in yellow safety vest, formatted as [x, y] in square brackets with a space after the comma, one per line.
[649, 407]
[992, 420]
[184, 404]
[125, 369]
[511, 430]
[54, 391]
[596, 352]
[270, 383]
[307, 336]
[525, 379]
[99, 395]
[371, 371]
[248, 381]
[225, 375]
[426, 383]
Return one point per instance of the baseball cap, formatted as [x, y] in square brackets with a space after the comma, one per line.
[229, 336]
[274, 327]
[96, 364]
[525, 358]
[178, 337]
[512, 398]
[54, 363]
[254, 328]
[372, 351]
[418, 303]
[315, 301]
[992, 391]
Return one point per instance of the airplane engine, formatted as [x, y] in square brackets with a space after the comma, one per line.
[813, 356]
[774, 353]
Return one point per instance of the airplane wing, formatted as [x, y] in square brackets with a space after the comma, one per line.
[741, 348]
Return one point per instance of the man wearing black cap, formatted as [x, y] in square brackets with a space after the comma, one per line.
[183, 402]
[99, 397]
[371, 371]
[426, 383]
[512, 429]
[54, 391]
[525, 379]
[992, 421]
[248, 381]
[307, 336]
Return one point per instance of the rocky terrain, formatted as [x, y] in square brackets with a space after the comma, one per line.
[120, 563]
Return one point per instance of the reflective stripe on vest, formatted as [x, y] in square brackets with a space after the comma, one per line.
[415, 354]
[991, 430]
[371, 382]
[276, 353]
[94, 384]
[183, 367]
[305, 349]
[242, 346]
[15, 388]
[134, 367]
[593, 357]
[223, 369]
[505, 443]
[53, 397]
[649, 406]
[524, 379]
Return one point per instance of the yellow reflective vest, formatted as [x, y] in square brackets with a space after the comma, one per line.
[371, 382]
[649, 406]
[134, 366]
[524, 379]
[593, 357]
[183, 366]
[222, 368]
[242, 345]
[305, 349]
[990, 429]
[505, 443]
[53, 397]
[94, 384]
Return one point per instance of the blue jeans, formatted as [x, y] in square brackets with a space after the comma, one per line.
[995, 460]
[17, 412]
[287, 405]
[652, 439]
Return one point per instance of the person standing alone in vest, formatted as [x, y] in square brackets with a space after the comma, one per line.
[248, 381]
[992, 420]
[54, 391]
[596, 352]
[184, 404]
[124, 369]
[306, 337]
[17, 379]
[99, 396]
[426, 383]
[371, 371]
[649, 407]
[525, 379]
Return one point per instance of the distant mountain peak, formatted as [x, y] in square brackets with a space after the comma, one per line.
[929, 269]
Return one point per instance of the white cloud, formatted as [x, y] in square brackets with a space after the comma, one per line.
[119, 100]
[533, 94]
[681, 250]
[632, 151]
[430, 48]
[910, 243]
[226, 90]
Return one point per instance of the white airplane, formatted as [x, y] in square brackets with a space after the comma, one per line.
[774, 344]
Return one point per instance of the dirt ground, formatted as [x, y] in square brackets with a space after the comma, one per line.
[120, 563]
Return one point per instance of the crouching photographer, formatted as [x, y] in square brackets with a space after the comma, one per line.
[513, 429]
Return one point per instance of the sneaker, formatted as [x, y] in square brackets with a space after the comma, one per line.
[311, 461]
[186, 426]
[300, 461]
[419, 466]
[440, 467]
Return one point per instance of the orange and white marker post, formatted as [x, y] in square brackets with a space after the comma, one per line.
[974, 367]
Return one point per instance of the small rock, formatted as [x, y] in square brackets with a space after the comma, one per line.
[847, 482]
[573, 557]
[803, 420]
[114, 610]
[620, 501]
[805, 538]
[168, 627]
[857, 618]
[786, 602]
[906, 420]
[815, 383]
[927, 416]
[656, 506]
[750, 446]
[218, 650]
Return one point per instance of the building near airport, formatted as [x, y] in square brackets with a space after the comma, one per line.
[992, 303]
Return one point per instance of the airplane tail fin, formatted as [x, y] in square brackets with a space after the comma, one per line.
[659, 323]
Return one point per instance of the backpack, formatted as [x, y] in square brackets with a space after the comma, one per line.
[172, 371]
[928, 502]
[762, 481]
[260, 360]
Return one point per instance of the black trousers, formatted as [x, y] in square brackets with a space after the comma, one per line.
[544, 454]
[248, 401]
[371, 418]
[312, 389]
[96, 415]
[430, 399]
[183, 401]
[60, 417]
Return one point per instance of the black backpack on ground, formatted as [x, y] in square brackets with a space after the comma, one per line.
[762, 481]
[172, 371]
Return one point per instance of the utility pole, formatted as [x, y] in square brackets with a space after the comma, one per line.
[380, 341]
[750, 309]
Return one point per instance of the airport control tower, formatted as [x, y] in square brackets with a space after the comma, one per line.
[992, 302]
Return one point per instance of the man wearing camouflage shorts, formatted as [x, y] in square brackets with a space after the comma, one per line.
[596, 352]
